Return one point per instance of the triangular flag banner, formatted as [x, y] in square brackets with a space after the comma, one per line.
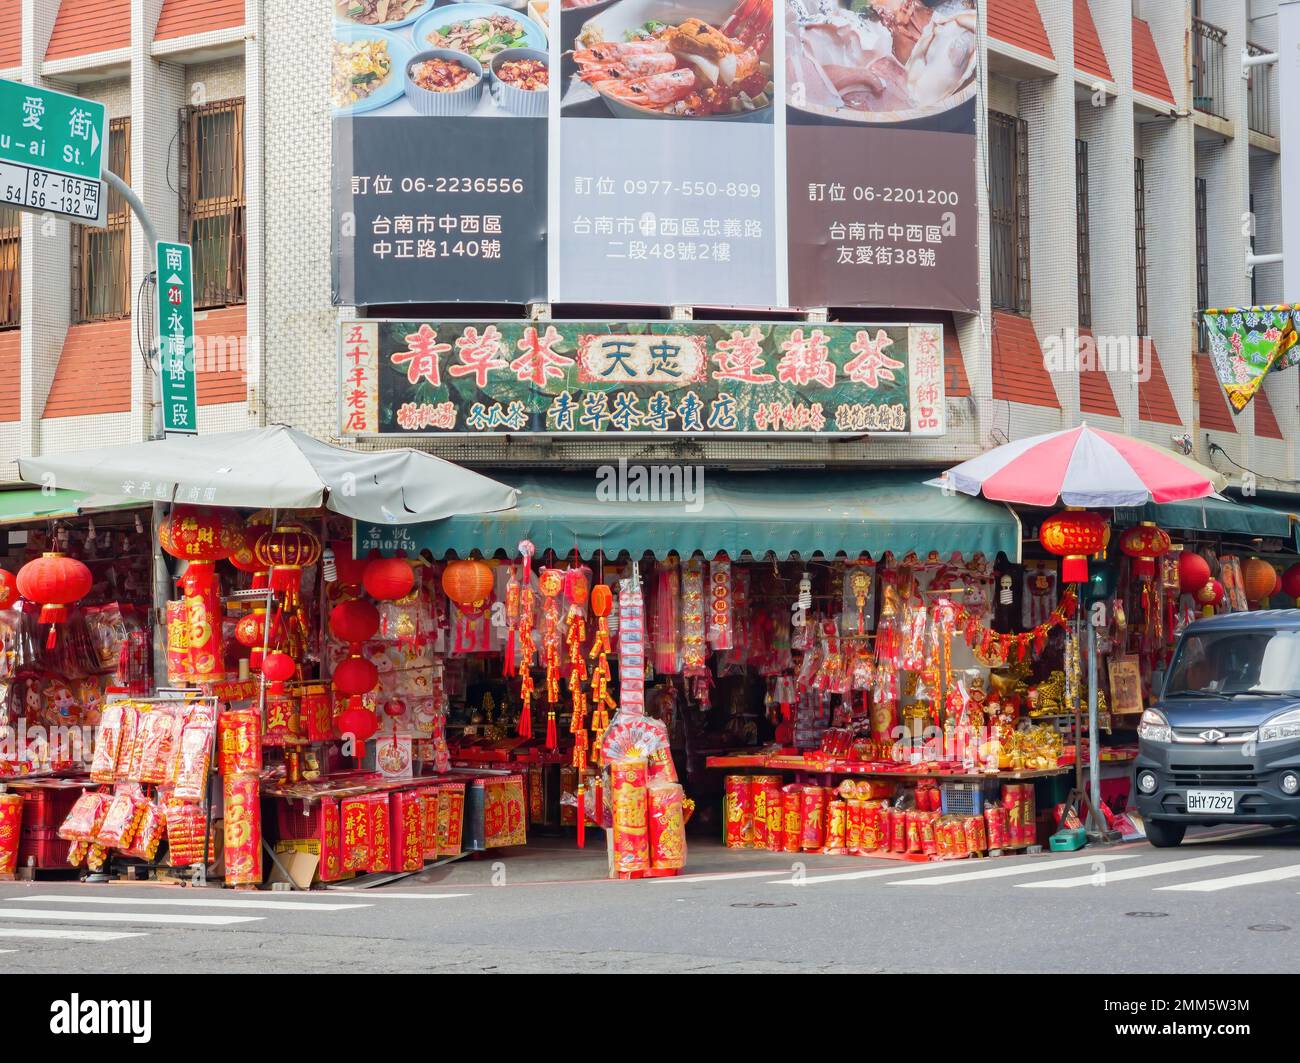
[1248, 344]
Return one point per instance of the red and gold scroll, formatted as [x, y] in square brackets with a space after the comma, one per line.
[11, 818]
[667, 825]
[503, 812]
[628, 782]
[243, 814]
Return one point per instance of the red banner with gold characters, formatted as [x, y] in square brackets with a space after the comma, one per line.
[408, 831]
[667, 825]
[11, 818]
[355, 825]
[240, 742]
[628, 782]
[243, 830]
[381, 833]
[503, 812]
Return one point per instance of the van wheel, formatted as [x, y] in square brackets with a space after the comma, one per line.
[1164, 835]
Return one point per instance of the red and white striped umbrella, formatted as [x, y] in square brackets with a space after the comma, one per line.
[1083, 467]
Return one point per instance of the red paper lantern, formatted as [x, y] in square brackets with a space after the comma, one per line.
[602, 600]
[1277, 585]
[388, 579]
[1193, 572]
[394, 707]
[1210, 594]
[356, 676]
[8, 588]
[251, 631]
[1291, 581]
[286, 550]
[354, 621]
[1259, 579]
[279, 668]
[1073, 535]
[357, 722]
[1144, 543]
[201, 533]
[54, 581]
[469, 584]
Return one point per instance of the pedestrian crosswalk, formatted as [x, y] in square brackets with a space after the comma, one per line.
[1202, 873]
[79, 915]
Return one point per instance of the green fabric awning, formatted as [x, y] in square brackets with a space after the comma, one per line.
[617, 509]
[27, 504]
[1214, 515]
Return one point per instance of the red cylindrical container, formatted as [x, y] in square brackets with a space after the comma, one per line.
[812, 826]
[792, 810]
[738, 812]
[995, 820]
[836, 828]
[928, 843]
[897, 830]
[11, 819]
[772, 801]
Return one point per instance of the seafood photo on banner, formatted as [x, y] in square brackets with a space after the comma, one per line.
[881, 60]
[701, 59]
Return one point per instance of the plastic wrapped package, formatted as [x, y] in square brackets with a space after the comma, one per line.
[157, 742]
[120, 820]
[148, 833]
[193, 753]
[628, 782]
[108, 743]
[85, 819]
[667, 825]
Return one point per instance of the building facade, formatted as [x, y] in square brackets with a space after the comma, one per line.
[1126, 170]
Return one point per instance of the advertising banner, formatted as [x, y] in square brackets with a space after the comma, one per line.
[639, 378]
[1246, 345]
[781, 154]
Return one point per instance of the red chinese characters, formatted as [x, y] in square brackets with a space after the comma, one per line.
[421, 357]
[539, 362]
[806, 360]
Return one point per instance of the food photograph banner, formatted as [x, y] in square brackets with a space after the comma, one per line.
[732, 153]
[639, 378]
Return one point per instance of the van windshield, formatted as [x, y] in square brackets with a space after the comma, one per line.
[1225, 663]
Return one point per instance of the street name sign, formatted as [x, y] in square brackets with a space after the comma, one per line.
[52, 152]
[176, 339]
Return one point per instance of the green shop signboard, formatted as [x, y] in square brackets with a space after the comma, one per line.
[639, 378]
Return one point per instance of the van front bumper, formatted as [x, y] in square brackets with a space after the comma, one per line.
[1255, 779]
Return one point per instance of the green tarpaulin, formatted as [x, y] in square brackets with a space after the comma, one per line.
[33, 503]
[1212, 514]
[686, 508]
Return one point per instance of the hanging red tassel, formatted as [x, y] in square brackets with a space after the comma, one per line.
[552, 737]
[582, 816]
[526, 720]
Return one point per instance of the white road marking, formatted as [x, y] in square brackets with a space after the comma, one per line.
[720, 877]
[1039, 866]
[379, 895]
[1213, 885]
[1145, 871]
[198, 902]
[849, 876]
[126, 917]
[65, 935]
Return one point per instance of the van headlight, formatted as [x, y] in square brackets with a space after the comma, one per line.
[1281, 728]
[1155, 728]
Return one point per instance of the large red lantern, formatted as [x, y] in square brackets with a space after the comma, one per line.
[286, 550]
[8, 588]
[469, 584]
[1144, 543]
[1291, 581]
[358, 722]
[251, 632]
[354, 677]
[279, 668]
[1259, 578]
[388, 579]
[354, 621]
[202, 536]
[1193, 572]
[54, 581]
[1073, 535]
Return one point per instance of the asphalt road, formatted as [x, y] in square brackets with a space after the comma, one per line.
[1224, 903]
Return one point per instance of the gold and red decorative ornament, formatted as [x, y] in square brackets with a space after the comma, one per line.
[552, 586]
[525, 650]
[251, 632]
[54, 581]
[285, 551]
[1074, 535]
[577, 592]
[602, 603]
[388, 579]
[1209, 595]
[8, 588]
[1259, 578]
[1145, 544]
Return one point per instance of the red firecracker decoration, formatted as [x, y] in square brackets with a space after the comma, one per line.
[602, 602]
[1193, 572]
[54, 581]
[552, 584]
[388, 579]
[1073, 535]
[8, 588]
[1145, 543]
[524, 647]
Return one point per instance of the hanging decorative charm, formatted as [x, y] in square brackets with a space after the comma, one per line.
[526, 649]
[1145, 543]
[602, 601]
[54, 582]
[552, 585]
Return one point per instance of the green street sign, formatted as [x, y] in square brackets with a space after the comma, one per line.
[52, 152]
[52, 131]
[176, 339]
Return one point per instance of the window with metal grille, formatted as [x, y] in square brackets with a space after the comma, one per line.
[1202, 258]
[1140, 218]
[1009, 211]
[101, 258]
[213, 204]
[1084, 232]
[11, 267]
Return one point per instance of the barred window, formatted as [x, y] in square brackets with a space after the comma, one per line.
[101, 258]
[11, 267]
[1202, 259]
[1084, 232]
[1140, 215]
[213, 204]
[1009, 211]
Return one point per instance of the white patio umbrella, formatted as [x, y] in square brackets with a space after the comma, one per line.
[276, 468]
